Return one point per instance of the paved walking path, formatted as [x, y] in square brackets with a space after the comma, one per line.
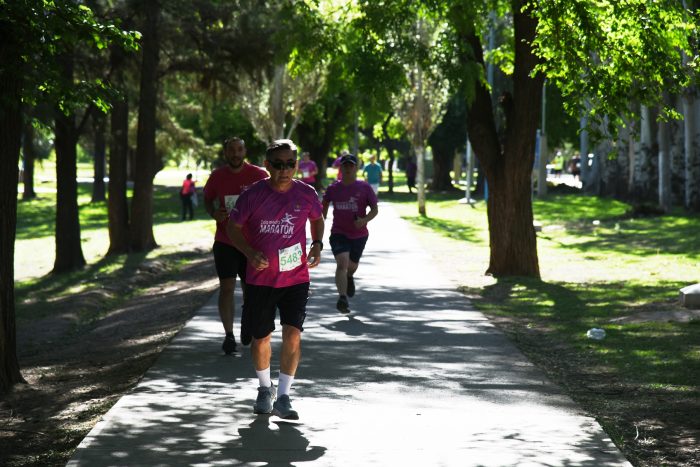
[414, 376]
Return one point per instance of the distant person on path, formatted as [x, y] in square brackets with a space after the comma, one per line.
[187, 193]
[268, 225]
[411, 171]
[575, 166]
[350, 198]
[558, 164]
[308, 169]
[373, 174]
[221, 191]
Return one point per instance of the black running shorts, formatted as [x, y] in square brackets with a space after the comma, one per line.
[262, 302]
[229, 261]
[341, 244]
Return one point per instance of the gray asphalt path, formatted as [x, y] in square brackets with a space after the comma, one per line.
[413, 376]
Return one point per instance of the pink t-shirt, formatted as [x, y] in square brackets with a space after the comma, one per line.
[226, 186]
[349, 202]
[275, 224]
[305, 169]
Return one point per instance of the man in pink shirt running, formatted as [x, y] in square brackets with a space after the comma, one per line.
[268, 224]
[351, 198]
[221, 191]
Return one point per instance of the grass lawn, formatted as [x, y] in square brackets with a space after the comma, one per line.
[600, 268]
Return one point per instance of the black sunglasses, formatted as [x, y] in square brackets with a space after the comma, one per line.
[281, 165]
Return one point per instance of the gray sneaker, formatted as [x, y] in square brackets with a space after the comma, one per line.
[283, 408]
[263, 404]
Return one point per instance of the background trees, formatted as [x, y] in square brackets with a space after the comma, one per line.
[41, 71]
[337, 75]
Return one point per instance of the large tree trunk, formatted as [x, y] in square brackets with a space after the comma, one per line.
[29, 157]
[10, 141]
[69, 252]
[442, 163]
[146, 164]
[117, 204]
[99, 157]
[508, 167]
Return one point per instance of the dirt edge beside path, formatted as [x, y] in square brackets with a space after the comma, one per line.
[77, 368]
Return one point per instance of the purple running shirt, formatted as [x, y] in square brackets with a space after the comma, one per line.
[350, 202]
[275, 224]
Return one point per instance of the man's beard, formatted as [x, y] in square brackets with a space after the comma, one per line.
[238, 161]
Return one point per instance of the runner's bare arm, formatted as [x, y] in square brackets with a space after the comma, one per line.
[314, 256]
[325, 208]
[219, 215]
[363, 221]
[257, 258]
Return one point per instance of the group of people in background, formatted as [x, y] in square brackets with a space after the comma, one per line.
[261, 217]
[307, 172]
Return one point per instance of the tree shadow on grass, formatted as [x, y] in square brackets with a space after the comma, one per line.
[653, 354]
[113, 278]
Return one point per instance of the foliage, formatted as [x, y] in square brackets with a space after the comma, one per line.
[50, 29]
[608, 53]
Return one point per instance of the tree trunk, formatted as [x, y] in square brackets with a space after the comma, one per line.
[146, 164]
[69, 252]
[643, 183]
[664, 139]
[10, 142]
[99, 156]
[511, 232]
[390, 178]
[29, 157]
[117, 204]
[442, 163]
[508, 164]
[420, 179]
[692, 151]
[677, 155]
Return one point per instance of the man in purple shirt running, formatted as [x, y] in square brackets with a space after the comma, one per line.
[268, 225]
[351, 198]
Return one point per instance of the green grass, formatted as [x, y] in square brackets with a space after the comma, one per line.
[35, 244]
[35, 247]
[597, 264]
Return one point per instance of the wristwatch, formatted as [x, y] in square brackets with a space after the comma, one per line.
[315, 242]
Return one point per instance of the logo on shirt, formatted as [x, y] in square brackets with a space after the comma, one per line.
[349, 205]
[283, 227]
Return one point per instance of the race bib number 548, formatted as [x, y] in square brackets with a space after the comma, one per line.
[290, 257]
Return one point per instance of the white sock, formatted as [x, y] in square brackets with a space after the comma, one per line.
[285, 384]
[264, 377]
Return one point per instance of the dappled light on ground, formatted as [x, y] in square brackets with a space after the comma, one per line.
[413, 376]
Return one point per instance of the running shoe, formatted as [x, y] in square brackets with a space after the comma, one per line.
[283, 408]
[263, 404]
[229, 345]
[351, 286]
[343, 305]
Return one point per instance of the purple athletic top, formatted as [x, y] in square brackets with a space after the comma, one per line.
[275, 224]
[350, 202]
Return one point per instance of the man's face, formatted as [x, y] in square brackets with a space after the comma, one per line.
[235, 154]
[282, 165]
[348, 169]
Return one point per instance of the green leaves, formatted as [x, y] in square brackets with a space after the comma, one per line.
[608, 53]
[43, 31]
